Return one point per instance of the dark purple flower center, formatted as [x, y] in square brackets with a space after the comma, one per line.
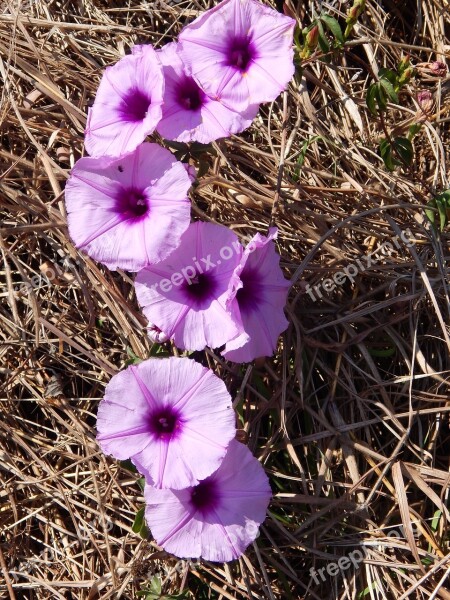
[249, 294]
[165, 423]
[205, 496]
[134, 106]
[241, 51]
[189, 95]
[132, 203]
[200, 289]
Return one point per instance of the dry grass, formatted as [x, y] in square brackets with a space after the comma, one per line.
[350, 418]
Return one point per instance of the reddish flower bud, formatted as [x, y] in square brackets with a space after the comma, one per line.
[312, 37]
[406, 75]
[438, 68]
[425, 101]
[433, 69]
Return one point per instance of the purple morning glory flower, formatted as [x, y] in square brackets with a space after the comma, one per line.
[185, 295]
[259, 289]
[131, 211]
[239, 52]
[188, 113]
[127, 105]
[171, 416]
[216, 519]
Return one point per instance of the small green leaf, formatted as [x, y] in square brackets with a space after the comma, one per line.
[384, 73]
[436, 518]
[159, 351]
[323, 42]
[389, 89]
[139, 520]
[431, 211]
[441, 204]
[367, 590]
[155, 586]
[302, 155]
[297, 40]
[381, 97]
[139, 525]
[445, 196]
[371, 98]
[332, 24]
[404, 149]
[132, 358]
[128, 465]
[386, 154]
[442, 210]
[413, 130]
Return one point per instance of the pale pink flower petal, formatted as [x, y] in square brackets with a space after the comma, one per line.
[239, 52]
[188, 113]
[130, 211]
[260, 290]
[217, 519]
[185, 295]
[171, 416]
[127, 106]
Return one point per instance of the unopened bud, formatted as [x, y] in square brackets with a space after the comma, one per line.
[312, 37]
[155, 334]
[433, 69]
[406, 75]
[438, 68]
[355, 11]
[425, 101]
[403, 64]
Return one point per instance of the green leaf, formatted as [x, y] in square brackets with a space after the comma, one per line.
[155, 586]
[441, 204]
[384, 73]
[302, 155]
[445, 196]
[139, 525]
[128, 465]
[297, 41]
[366, 591]
[371, 98]
[159, 351]
[139, 520]
[386, 154]
[332, 24]
[323, 42]
[442, 210]
[381, 97]
[389, 89]
[413, 130]
[404, 149]
[431, 211]
[132, 358]
[436, 518]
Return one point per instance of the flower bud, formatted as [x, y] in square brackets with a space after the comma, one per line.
[406, 75]
[438, 68]
[312, 37]
[433, 69]
[155, 334]
[425, 101]
[403, 64]
[355, 11]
